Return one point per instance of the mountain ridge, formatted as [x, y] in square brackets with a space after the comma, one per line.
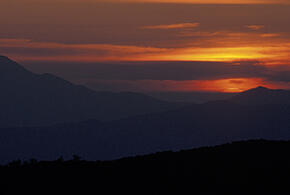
[137, 124]
[193, 126]
[262, 96]
[30, 99]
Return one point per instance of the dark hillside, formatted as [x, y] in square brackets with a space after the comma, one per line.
[252, 167]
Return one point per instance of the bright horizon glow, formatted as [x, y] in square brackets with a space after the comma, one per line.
[90, 52]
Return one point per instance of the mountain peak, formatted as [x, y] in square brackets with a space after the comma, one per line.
[259, 88]
[262, 95]
[262, 87]
[10, 67]
[5, 59]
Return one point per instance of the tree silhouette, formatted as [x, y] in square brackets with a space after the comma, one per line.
[76, 158]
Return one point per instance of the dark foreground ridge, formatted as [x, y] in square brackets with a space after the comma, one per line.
[252, 167]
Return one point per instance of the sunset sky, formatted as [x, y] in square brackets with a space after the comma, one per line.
[152, 45]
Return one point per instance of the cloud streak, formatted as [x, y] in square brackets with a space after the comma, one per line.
[255, 27]
[27, 50]
[172, 26]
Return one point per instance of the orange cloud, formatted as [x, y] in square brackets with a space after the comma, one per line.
[172, 26]
[232, 85]
[255, 27]
[223, 85]
[270, 35]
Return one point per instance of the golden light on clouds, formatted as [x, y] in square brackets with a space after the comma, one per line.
[221, 54]
[121, 32]
[217, 47]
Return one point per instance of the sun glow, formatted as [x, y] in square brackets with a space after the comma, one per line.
[233, 85]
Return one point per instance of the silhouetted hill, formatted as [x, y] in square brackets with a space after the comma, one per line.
[9, 68]
[29, 99]
[252, 167]
[262, 96]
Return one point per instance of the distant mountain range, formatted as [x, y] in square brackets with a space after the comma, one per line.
[199, 125]
[29, 99]
[124, 124]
